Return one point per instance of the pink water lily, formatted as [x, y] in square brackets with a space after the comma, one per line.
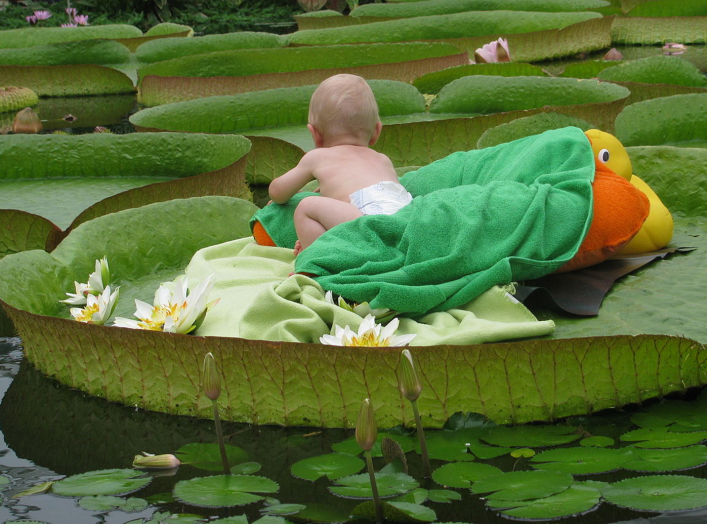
[43, 15]
[673, 48]
[496, 51]
[81, 20]
[31, 19]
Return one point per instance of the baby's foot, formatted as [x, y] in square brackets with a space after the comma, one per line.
[298, 248]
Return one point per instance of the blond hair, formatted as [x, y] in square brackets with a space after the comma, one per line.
[344, 105]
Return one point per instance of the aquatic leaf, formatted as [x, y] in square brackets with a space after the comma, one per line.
[658, 493]
[523, 453]
[522, 485]
[679, 415]
[668, 8]
[656, 70]
[101, 482]
[443, 495]
[5, 482]
[582, 460]
[586, 68]
[597, 441]
[283, 509]
[661, 460]
[208, 456]
[648, 31]
[662, 438]
[430, 7]
[223, 490]
[169, 48]
[68, 53]
[165, 517]
[40, 36]
[403, 512]
[416, 496]
[320, 512]
[531, 125]
[246, 468]
[240, 519]
[494, 94]
[34, 490]
[271, 519]
[462, 474]
[580, 497]
[67, 80]
[432, 83]
[359, 486]
[457, 25]
[531, 436]
[332, 465]
[351, 447]
[109, 503]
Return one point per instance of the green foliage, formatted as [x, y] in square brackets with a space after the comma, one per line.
[656, 70]
[223, 490]
[103, 482]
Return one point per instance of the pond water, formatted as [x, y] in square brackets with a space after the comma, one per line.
[50, 431]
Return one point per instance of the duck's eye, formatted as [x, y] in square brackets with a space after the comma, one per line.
[603, 155]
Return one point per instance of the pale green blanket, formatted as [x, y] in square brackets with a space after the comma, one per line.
[259, 301]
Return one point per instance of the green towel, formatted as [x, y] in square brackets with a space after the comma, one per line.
[257, 300]
[479, 218]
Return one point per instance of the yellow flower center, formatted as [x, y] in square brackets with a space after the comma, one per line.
[369, 339]
[87, 313]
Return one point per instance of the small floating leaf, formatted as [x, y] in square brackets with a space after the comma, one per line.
[223, 490]
[582, 461]
[522, 485]
[580, 497]
[417, 496]
[332, 465]
[658, 460]
[240, 519]
[443, 495]
[462, 474]
[109, 503]
[318, 512]
[658, 493]
[35, 490]
[523, 453]
[283, 509]
[208, 456]
[359, 486]
[246, 468]
[598, 441]
[662, 438]
[531, 436]
[101, 482]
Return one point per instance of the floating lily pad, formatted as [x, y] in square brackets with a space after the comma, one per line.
[663, 438]
[432, 83]
[598, 441]
[102, 482]
[67, 80]
[240, 519]
[462, 474]
[679, 415]
[658, 493]
[43, 487]
[661, 460]
[208, 456]
[109, 503]
[359, 486]
[223, 490]
[246, 468]
[580, 497]
[416, 496]
[5, 482]
[351, 447]
[656, 70]
[522, 485]
[101, 52]
[402, 512]
[531, 436]
[531, 125]
[332, 465]
[582, 460]
[319, 512]
[39, 36]
[667, 8]
[283, 509]
[443, 495]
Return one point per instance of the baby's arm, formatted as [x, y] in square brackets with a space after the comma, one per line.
[285, 186]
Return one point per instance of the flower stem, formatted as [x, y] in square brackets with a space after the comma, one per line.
[374, 486]
[219, 436]
[423, 443]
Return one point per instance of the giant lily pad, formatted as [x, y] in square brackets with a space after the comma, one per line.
[640, 30]
[522, 485]
[169, 48]
[457, 25]
[668, 8]
[432, 83]
[75, 178]
[656, 70]
[67, 53]
[67, 80]
[437, 7]
[239, 71]
[42, 36]
[659, 493]
[223, 490]
[103, 482]
[16, 98]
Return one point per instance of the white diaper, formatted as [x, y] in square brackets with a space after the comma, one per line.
[383, 198]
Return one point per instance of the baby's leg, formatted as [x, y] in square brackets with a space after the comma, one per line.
[315, 215]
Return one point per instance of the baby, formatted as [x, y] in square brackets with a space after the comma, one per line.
[354, 180]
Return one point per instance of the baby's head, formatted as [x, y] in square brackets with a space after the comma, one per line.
[344, 105]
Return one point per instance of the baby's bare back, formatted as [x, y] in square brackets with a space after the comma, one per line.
[342, 170]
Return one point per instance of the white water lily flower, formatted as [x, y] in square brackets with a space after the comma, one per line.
[174, 310]
[78, 298]
[369, 334]
[363, 309]
[100, 278]
[99, 308]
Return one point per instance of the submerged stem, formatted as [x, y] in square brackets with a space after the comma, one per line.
[219, 436]
[423, 442]
[374, 486]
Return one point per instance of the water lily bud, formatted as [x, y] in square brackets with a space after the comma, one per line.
[408, 381]
[212, 379]
[148, 461]
[26, 122]
[366, 430]
[613, 54]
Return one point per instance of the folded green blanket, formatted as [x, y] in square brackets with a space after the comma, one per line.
[479, 218]
[257, 300]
